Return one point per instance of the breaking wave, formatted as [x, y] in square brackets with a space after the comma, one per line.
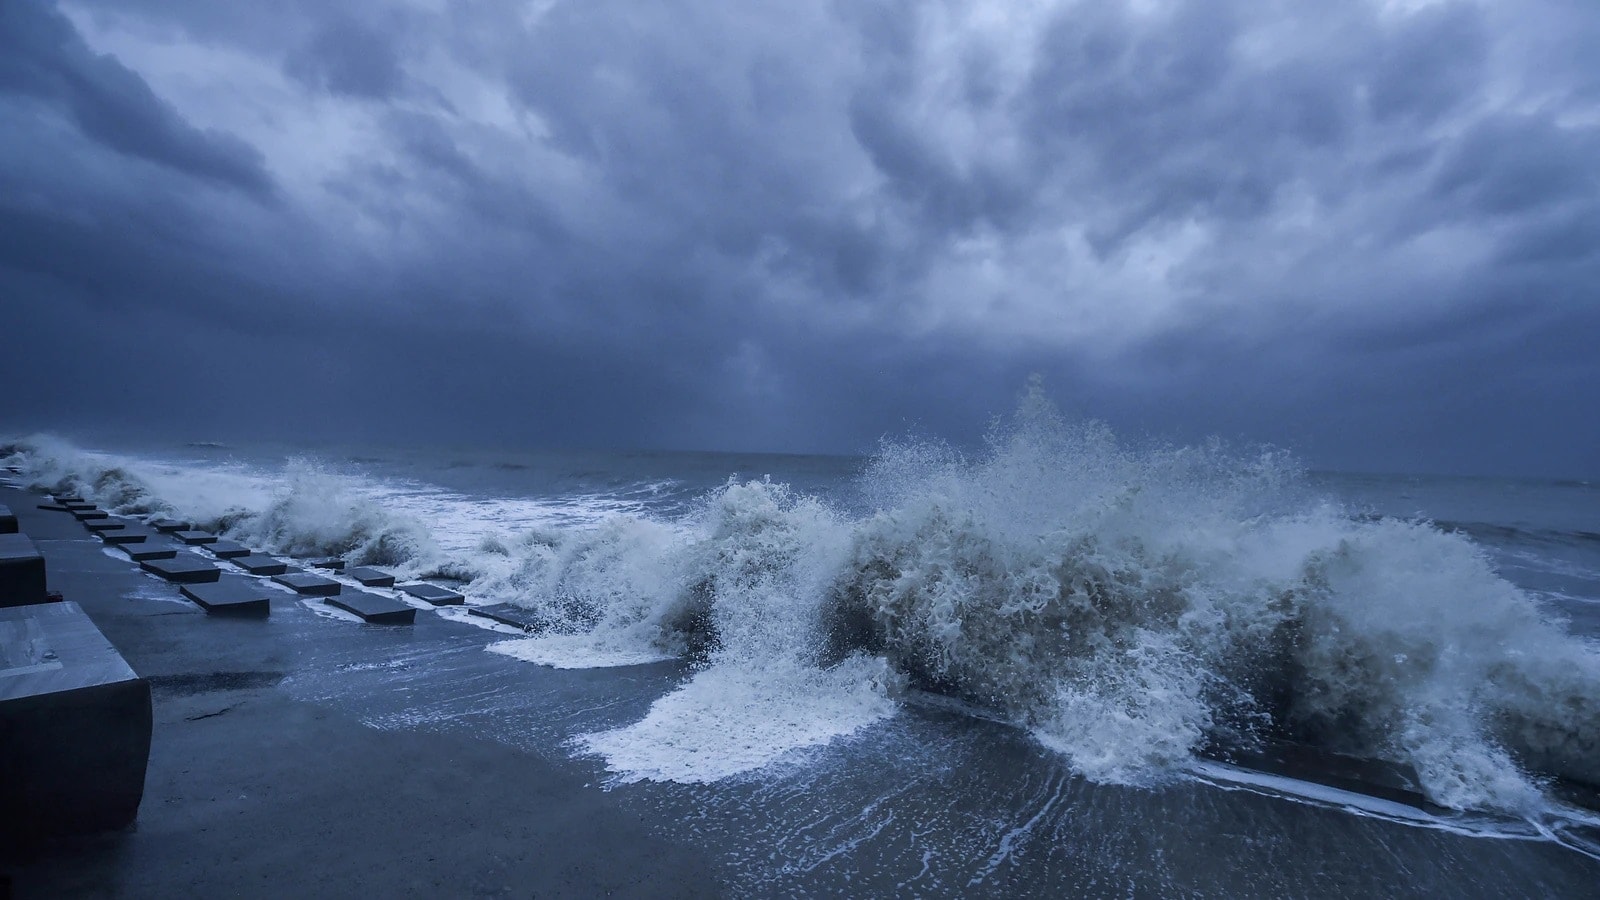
[1133, 608]
[304, 509]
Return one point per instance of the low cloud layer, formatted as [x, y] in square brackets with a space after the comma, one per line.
[1366, 231]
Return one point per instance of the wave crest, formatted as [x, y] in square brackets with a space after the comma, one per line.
[1131, 607]
[302, 510]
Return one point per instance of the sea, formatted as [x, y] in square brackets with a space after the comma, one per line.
[1059, 663]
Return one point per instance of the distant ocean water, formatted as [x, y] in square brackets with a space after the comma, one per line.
[1147, 614]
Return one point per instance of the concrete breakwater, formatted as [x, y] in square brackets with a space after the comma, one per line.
[251, 788]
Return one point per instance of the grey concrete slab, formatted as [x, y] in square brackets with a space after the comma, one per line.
[260, 564]
[434, 594]
[195, 538]
[107, 524]
[86, 515]
[75, 725]
[228, 549]
[507, 614]
[8, 520]
[67, 498]
[126, 536]
[373, 608]
[370, 577]
[22, 576]
[76, 504]
[183, 568]
[150, 550]
[234, 595]
[53, 507]
[326, 562]
[168, 526]
[307, 583]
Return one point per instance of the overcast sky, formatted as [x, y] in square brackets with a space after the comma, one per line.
[1367, 231]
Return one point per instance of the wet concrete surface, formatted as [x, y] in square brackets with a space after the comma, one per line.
[255, 790]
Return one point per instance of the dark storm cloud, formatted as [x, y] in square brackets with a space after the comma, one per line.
[42, 57]
[1367, 230]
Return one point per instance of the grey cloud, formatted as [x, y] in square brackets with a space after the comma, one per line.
[348, 57]
[1511, 163]
[1435, 61]
[42, 56]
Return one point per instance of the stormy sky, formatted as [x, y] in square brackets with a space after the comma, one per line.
[1366, 231]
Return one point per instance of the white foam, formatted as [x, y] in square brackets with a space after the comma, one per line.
[1293, 789]
[577, 651]
[464, 616]
[162, 594]
[330, 612]
[733, 719]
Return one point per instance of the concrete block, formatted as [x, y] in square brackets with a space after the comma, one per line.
[8, 520]
[260, 564]
[230, 596]
[150, 550]
[65, 499]
[195, 538]
[507, 614]
[168, 526]
[126, 536]
[88, 515]
[371, 577]
[228, 549]
[53, 507]
[21, 571]
[108, 524]
[307, 583]
[434, 594]
[327, 562]
[183, 568]
[75, 724]
[75, 503]
[373, 608]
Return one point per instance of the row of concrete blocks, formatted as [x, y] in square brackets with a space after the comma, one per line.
[22, 573]
[75, 721]
[22, 578]
[202, 582]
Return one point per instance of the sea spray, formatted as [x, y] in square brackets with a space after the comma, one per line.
[132, 486]
[1130, 607]
[756, 564]
[303, 509]
[316, 511]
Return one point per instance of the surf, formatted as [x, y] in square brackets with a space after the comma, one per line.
[1138, 609]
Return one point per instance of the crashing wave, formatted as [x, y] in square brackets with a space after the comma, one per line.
[1131, 607]
[304, 510]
